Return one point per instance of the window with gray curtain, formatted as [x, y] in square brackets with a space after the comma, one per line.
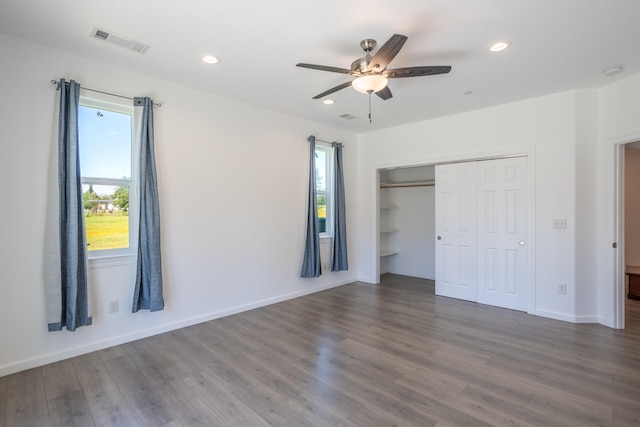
[311, 261]
[65, 258]
[148, 291]
[67, 292]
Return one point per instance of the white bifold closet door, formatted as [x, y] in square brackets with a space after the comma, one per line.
[481, 229]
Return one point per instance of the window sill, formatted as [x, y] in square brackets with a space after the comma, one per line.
[325, 238]
[112, 260]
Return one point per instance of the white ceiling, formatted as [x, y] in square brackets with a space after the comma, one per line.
[556, 45]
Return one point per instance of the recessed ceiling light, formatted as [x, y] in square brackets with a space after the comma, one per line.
[210, 59]
[498, 46]
[328, 101]
[612, 71]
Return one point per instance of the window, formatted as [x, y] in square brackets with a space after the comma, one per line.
[107, 168]
[324, 189]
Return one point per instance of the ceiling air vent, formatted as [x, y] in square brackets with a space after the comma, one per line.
[348, 116]
[121, 41]
[101, 34]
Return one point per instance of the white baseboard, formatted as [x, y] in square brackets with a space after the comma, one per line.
[78, 351]
[588, 319]
[567, 317]
[366, 279]
[413, 274]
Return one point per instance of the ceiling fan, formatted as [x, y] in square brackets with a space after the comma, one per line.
[371, 71]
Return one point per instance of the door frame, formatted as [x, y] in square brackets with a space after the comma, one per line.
[529, 151]
[619, 296]
[618, 227]
[615, 296]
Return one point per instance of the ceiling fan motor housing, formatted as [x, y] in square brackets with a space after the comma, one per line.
[361, 65]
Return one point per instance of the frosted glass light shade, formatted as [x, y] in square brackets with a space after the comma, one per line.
[369, 84]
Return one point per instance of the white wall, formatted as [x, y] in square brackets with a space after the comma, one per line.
[232, 181]
[415, 238]
[544, 127]
[586, 222]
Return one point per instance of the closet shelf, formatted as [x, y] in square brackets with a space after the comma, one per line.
[388, 230]
[388, 253]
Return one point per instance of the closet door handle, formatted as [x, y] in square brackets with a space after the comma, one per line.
[439, 237]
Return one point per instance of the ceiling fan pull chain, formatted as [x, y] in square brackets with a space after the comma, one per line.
[370, 107]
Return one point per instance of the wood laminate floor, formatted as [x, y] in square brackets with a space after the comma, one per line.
[357, 355]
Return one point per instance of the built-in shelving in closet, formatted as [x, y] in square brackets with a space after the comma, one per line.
[388, 229]
[407, 221]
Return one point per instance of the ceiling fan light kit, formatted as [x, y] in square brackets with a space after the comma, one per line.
[371, 83]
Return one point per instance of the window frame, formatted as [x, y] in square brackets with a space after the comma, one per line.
[329, 190]
[120, 106]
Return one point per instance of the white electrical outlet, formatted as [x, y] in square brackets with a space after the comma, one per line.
[560, 223]
[114, 306]
[562, 288]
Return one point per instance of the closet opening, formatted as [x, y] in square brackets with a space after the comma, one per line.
[407, 221]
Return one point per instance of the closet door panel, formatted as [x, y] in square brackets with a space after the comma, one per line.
[456, 243]
[502, 233]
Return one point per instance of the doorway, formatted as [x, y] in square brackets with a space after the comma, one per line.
[629, 207]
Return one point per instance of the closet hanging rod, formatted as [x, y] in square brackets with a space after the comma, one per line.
[55, 82]
[423, 184]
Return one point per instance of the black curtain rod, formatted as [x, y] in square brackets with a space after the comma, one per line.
[55, 82]
[328, 142]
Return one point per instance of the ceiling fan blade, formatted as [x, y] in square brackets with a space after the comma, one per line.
[330, 91]
[325, 68]
[387, 52]
[416, 71]
[385, 93]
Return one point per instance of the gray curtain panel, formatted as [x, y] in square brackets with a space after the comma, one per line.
[73, 246]
[148, 284]
[339, 261]
[311, 262]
